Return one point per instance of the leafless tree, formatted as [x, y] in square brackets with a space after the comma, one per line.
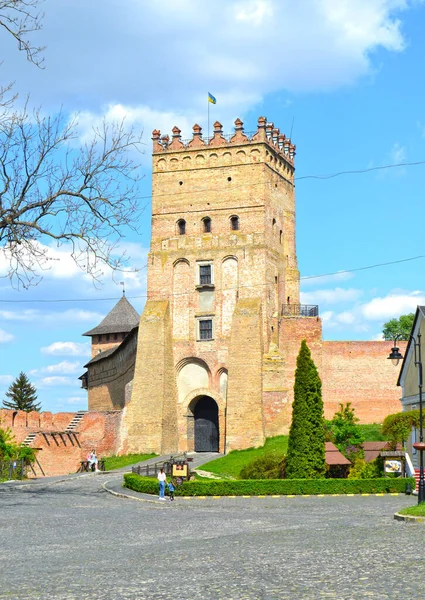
[54, 189]
[21, 18]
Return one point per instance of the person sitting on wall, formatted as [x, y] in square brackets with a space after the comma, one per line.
[92, 460]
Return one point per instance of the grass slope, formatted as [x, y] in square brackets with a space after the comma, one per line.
[116, 462]
[230, 465]
[372, 433]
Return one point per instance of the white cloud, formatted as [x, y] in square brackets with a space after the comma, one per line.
[76, 400]
[61, 266]
[238, 50]
[68, 316]
[398, 154]
[65, 367]
[392, 305]
[6, 379]
[255, 12]
[5, 336]
[379, 310]
[56, 381]
[333, 296]
[67, 349]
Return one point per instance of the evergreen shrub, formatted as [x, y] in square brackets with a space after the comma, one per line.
[306, 444]
[268, 487]
[268, 466]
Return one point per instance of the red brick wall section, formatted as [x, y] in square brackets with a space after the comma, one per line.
[359, 372]
[61, 454]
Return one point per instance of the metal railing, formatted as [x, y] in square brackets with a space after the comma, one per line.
[153, 469]
[300, 310]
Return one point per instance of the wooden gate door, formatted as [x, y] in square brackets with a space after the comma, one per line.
[206, 425]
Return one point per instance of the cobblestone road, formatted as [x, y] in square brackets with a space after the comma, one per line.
[74, 540]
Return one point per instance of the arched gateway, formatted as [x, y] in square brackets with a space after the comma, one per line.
[206, 425]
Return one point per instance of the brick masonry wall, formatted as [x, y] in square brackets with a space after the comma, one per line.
[245, 425]
[360, 373]
[150, 420]
[59, 452]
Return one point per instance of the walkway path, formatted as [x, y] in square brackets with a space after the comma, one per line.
[70, 539]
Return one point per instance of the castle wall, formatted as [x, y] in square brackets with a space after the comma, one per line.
[60, 452]
[149, 419]
[245, 424]
[360, 373]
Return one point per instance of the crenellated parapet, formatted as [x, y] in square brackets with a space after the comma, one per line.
[266, 133]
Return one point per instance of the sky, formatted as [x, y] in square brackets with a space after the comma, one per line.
[345, 76]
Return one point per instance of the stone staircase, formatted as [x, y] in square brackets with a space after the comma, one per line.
[30, 438]
[75, 421]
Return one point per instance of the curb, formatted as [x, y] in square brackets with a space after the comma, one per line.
[128, 497]
[409, 518]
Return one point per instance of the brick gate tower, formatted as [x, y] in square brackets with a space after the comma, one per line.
[222, 262]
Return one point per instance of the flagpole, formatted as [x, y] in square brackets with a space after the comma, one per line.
[208, 134]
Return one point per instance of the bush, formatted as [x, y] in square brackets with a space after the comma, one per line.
[268, 487]
[268, 466]
[364, 470]
[397, 427]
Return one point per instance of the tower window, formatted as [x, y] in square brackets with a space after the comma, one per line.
[207, 225]
[234, 223]
[205, 274]
[205, 329]
[181, 226]
[280, 236]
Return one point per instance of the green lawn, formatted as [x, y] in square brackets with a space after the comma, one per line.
[116, 462]
[231, 464]
[372, 433]
[416, 511]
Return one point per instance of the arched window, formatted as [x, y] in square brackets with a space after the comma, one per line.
[181, 226]
[234, 223]
[207, 225]
[280, 236]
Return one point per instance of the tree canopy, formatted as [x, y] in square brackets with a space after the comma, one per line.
[399, 327]
[22, 395]
[345, 432]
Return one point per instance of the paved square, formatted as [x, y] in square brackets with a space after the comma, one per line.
[74, 540]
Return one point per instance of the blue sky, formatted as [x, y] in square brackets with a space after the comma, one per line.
[347, 75]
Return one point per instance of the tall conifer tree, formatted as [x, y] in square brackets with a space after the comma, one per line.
[22, 395]
[306, 446]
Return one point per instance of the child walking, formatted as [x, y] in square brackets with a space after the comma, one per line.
[171, 488]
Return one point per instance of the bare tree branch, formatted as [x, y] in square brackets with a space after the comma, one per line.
[53, 189]
[21, 18]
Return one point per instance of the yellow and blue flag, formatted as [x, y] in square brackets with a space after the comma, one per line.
[211, 99]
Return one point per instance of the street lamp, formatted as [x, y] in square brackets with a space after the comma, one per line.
[395, 357]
